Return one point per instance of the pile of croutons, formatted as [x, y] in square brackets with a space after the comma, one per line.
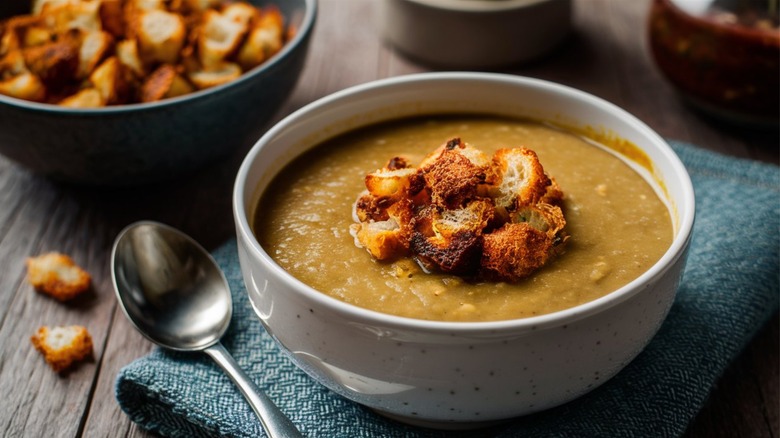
[93, 53]
[461, 212]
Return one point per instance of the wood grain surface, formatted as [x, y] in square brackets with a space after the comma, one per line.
[606, 55]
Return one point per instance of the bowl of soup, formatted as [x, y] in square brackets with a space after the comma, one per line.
[433, 348]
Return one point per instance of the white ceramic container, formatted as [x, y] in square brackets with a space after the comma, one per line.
[475, 33]
[456, 374]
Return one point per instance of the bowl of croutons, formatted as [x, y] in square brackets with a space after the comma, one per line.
[453, 249]
[126, 92]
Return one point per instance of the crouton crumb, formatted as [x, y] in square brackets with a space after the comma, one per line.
[57, 275]
[463, 213]
[63, 346]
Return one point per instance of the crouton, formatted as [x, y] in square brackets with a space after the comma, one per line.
[112, 17]
[451, 240]
[63, 346]
[24, 86]
[520, 178]
[127, 52]
[201, 5]
[163, 83]
[161, 35]
[55, 63]
[74, 14]
[220, 37]
[110, 80]
[463, 213]
[86, 98]
[94, 47]
[12, 64]
[218, 75]
[57, 275]
[392, 184]
[265, 39]
[389, 238]
[514, 252]
[452, 176]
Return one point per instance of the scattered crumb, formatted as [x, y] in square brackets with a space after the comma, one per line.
[63, 346]
[57, 275]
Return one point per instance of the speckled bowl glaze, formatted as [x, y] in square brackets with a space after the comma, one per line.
[458, 374]
[142, 143]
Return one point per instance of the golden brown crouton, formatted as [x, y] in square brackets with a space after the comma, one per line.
[452, 176]
[514, 251]
[86, 98]
[74, 14]
[94, 47]
[63, 346]
[57, 275]
[387, 239]
[110, 79]
[220, 37]
[450, 240]
[127, 52]
[218, 75]
[164, 83]
[24, 86]
[265, 39]
[392, 184]
[160, 35]
[520, 178]
[55, 63]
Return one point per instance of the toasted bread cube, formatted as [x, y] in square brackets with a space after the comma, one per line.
[145, 5]
[452, 177]
[520, 177]
[112, 17]
[164, 83]
[12, 64]
[221, 74]
[220, 36]
[393, 184]
[110, 80]
[63, 346]
[127, 52]
[57, 275]
[515, 251]
[161, 36]
[94, 47]
[265, 39]
[388, 239]
[241, 12]
[201, 5]
[63, 16]
[38, 4]
[86, 98]
[36, 36]
[24, 86]
[55, 63]
[546, 218]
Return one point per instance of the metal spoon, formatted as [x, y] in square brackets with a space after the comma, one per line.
[174, 293]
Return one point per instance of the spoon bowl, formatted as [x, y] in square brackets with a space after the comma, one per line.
[174, 293]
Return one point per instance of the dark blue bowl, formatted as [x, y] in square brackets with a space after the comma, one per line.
[141, 143]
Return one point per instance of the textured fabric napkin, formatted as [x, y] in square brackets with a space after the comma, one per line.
[729, 290]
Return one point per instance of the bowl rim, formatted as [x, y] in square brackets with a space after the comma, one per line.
[677, 249]
[480, 6]
[303, 32]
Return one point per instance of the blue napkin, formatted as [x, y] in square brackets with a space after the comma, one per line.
[729, 291]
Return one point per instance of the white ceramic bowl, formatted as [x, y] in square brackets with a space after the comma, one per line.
[451, 374]
[475, 33]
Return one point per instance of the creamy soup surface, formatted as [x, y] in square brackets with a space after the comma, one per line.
[618, 225]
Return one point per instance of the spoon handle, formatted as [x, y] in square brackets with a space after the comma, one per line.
[275, 423]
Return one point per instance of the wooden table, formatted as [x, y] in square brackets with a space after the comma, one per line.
[607, 56]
